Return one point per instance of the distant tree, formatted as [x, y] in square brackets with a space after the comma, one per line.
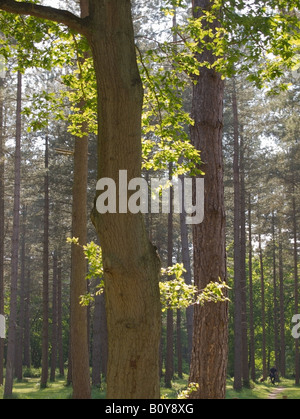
[12, 331]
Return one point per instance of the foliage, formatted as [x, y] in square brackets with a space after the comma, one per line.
[175, 294]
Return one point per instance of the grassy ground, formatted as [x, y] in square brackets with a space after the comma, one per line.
[264, 390]
[29, 388]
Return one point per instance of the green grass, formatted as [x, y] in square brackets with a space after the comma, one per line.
[263, 390]
[29, 388]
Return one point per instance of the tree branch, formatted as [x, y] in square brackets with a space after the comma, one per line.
[44, 12]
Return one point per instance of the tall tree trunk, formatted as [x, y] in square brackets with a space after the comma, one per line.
[2, 158]
[245, 354]
[45, 332]
[54, 320]
[96, 347]
[251, 304]
[275, 294]
[79, 315]
[11, 346]
[170, 316]
[281, 307]
[188, 274]
[296, 284]
[79, 321]
[131, 264]
[263, 310]
[27, 357]
[59, 321]
[238, 342]
[210, 344]
[21, 315]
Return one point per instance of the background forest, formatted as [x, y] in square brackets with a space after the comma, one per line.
[42, 84]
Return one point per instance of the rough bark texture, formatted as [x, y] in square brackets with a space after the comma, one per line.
[131, 265]
[209, 355]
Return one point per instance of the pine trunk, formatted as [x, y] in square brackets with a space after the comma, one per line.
[210, 347]
[12, 333]
[45, 332]
[2, 157]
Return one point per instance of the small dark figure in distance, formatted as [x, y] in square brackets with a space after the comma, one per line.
[273, 375]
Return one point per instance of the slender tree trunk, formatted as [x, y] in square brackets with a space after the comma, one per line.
[275, 294]
[131, 264]
[54, 320]
[45, 333]
[170, 316]
[59, 321]
[263, 310]
[245, 354]
[179, 344]
[188, 274]
[2, 158]
[210, 343]
[11, 346]
[21, 315]
[27, 356]
[251, 304]
[96, 347]
[281, 307]
[238, 342]
[296, 283]
[79, 315]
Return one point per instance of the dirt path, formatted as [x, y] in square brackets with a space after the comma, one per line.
[275, 393]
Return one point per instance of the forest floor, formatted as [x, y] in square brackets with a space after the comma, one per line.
[286, 389]
[29, 388]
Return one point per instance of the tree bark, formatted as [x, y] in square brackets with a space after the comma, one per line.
[210, 347]
[263, 310]
[2, 158]
[238, 338]
[45, 332]
[131, 265]
[11, 346]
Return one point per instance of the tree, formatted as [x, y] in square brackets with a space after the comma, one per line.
[2, 79]
[12, 332]
[131, 264]
[209, 356]
[79, 318]
[45, 341]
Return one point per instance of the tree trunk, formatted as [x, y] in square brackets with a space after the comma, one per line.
[2, 158]
[11, 346]
[251, 304]
[59, 321]
[281, 306]
[79, 324]
[296, 284]
[54, 320]
[170, 316]
[96, 351]
[188, 274]
[45, 333]
[210, 344]
[131, 264]
[263, 309]
[238, 341]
